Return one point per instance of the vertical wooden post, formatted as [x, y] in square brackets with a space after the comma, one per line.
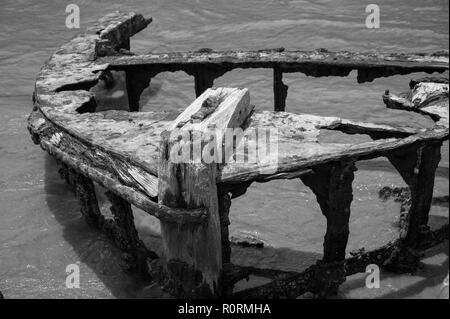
[194, 251]
[417, 165]
[137, 81]
[279, 90]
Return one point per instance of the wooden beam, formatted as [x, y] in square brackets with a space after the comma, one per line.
[194, 252]
[96, 165]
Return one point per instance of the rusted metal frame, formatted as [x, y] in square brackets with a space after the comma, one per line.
[136, 81]
[417, 166]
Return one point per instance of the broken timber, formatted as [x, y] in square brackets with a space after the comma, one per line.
[129, 154]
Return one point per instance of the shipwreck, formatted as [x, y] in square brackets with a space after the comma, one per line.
[127, 152]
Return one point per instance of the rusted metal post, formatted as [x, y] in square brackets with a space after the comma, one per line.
[224, 211]
[137, 81]
[279, 90]
[417, 165]
[203, 81]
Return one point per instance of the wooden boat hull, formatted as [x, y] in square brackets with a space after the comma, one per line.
[122, 151]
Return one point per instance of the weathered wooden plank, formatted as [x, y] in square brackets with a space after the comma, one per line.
[216, 108]
[115, 30]
[425, 97]
[214, 111]
[298, 147]
[314, 63]
[102, 168]
[194, 252]
[132, 137]
[294, 157]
